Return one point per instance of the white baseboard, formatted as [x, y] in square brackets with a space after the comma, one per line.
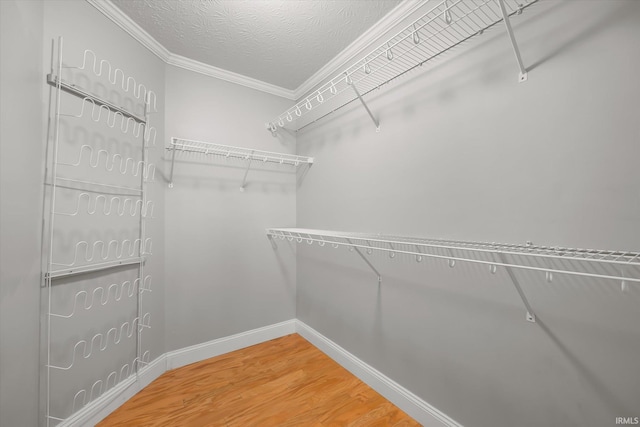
[415, 407]
[97, 410]
[196, 353]
[100, 408]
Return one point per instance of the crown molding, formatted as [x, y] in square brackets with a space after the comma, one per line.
[219, 73]
[112, 12]
[118, 17]
[391, 19]
[399, 13]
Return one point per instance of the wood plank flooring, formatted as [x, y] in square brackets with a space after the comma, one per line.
[282, 382]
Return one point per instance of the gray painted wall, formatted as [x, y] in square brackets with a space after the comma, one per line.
[466, 152]
[21, 168]
[222, 276]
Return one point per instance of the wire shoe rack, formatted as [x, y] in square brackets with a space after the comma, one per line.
[85, 195]
[441, 28]
[548, 261]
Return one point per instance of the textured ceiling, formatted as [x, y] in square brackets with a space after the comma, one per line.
[282, 42]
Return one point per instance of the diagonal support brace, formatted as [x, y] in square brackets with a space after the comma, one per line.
[355, 89]
[173, 162]
[246, 172]
[505, 17]
[272, 240]
[531, 316]
[367, 261]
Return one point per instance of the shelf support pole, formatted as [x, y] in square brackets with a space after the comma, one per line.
[173, 161]
[246, 171]
[531, 316]
[505, 17]
[364, 104]
[367, 261]
[272, 240]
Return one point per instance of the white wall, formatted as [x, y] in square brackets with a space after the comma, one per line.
[222, 276]
[22, 150]
[466, 152]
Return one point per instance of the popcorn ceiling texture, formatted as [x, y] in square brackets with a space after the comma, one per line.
[282, 42]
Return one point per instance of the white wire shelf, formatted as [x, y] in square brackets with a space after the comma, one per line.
[443, 27]
[595, 263]
[179, 145]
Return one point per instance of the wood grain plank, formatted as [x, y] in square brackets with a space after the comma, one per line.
[283, 382]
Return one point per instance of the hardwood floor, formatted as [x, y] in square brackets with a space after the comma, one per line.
[282, 382]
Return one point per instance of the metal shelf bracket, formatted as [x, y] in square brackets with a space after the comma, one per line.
[246, 172]
[364, 104]
[367, 261]
[527, 256]
[173, 162]
[531, 316]
[522, 76]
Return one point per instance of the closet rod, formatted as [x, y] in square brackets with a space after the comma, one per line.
[74, 90]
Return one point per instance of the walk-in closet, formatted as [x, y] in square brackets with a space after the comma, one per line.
[319, 213]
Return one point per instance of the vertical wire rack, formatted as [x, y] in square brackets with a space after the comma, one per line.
[94, 197]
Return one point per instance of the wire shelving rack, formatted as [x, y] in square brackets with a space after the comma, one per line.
[547, 260]
[442, 27]
[249, 155]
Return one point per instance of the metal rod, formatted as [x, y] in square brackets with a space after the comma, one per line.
[531, 316]
[92, 267]
[365, 260]
[51, 225]
[375, 121]
[74, 90]
[246, 172]
[117, 187]
[505, 16]
[142, 236]
[173, 161]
